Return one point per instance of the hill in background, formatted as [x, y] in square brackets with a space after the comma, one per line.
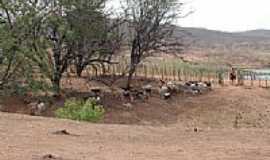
[233, 48]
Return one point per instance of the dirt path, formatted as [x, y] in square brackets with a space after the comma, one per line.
[33, 137]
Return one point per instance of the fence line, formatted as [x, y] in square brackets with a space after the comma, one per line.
[171, 73]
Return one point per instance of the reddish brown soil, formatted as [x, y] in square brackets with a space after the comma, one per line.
[34, 138]
[228, 123]
[229, 106]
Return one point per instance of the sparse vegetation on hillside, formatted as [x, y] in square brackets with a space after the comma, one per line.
[236, 48]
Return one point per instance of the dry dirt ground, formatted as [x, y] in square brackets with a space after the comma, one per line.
[28, 138]
[229, 123]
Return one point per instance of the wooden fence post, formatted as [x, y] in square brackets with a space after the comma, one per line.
[145, 71]
[165, 72]
[179, 74]
[162, 72]
[174, 74]
[251, 78]
[152, 71]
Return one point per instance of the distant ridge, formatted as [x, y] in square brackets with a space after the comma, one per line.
[206, 39]
[256, 33]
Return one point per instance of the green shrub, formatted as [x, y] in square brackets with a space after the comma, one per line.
[81, 110]
[37, 86]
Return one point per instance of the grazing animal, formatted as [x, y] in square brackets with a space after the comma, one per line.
[147, 90]
[37, 108]
[164, 91]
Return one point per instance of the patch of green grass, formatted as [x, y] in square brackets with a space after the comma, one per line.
[81, 110]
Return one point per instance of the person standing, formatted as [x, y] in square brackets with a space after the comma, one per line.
[232, 75]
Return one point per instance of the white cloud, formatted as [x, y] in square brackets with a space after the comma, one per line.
[228, 15]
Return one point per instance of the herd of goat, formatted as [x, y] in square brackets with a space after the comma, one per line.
[167, 89]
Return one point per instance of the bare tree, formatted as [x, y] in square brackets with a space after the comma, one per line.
[150, 23]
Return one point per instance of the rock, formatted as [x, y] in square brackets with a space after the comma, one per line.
[51, 157]
[197, 130]
[62, 132]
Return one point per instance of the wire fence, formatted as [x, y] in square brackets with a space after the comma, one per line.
[179, 71]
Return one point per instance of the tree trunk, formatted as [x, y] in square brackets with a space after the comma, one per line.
[56, 83]
[103, 67]
[79, 71]
[7, 73]
[80, 65]
[134, 61]
[130, 75]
